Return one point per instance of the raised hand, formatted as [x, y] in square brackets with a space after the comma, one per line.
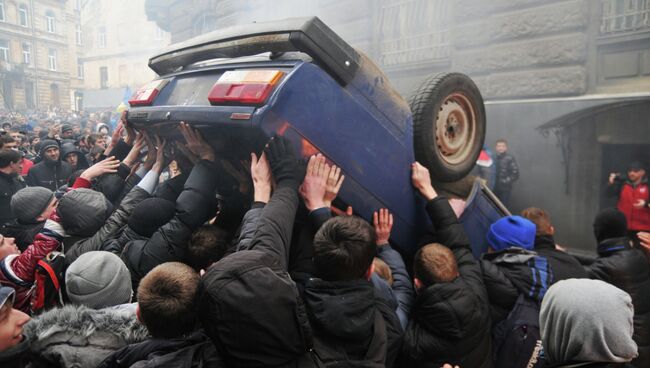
[106, 166]
[421, 180]
[160, 155]
[333, 185]
[314, 186]
[282, 160]
[383, 223]
[196, 144]
[261, 175]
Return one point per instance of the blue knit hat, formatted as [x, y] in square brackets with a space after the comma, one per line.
[512, 231]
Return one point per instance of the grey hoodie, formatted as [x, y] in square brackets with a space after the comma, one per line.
[586, 320]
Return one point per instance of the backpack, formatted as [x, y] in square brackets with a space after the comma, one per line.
[517, 339]
[48, 286]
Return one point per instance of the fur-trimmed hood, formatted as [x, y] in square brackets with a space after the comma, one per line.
[81, 337]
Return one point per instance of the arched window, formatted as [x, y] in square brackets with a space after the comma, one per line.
[23, 15]
[50, 21]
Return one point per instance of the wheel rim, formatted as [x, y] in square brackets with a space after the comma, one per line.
[455, 131]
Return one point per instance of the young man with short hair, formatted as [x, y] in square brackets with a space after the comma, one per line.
[10, 182]
[507, 171]
[450, 319]
[14, 347]
[167, 307]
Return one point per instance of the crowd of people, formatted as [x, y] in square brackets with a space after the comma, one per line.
[112, 256]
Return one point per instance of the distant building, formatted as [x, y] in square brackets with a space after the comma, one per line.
[36, 60]
[567, 82]
[118, 41]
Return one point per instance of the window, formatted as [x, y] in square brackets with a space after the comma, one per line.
[49, 17]
[80, 68]
[29, 95]
[51, 59]
[77, 31]
[4, 50]
[101, 37]
[624, 16]
[103, 77]
[54, 95]
[23, 19]
[2, 11]
[27, 53]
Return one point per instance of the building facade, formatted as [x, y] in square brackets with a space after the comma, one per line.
[118, 41]
[36, 58]
[567, 82]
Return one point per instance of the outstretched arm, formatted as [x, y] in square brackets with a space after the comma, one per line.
[273, 234]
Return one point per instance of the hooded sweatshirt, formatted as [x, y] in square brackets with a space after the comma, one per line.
[587, 321]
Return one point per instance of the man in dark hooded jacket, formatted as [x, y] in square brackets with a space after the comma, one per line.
[625, 267]
[451, 318]
[51, 172]
[73, 156]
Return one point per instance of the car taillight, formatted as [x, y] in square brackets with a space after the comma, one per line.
[146, 94]
[244, 86]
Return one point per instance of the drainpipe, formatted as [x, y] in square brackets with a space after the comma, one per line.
[32, 19]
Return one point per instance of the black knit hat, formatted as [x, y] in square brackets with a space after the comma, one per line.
[151, 214]
[47, 143]
[610, 223]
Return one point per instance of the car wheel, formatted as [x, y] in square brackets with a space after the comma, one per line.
[448, 125]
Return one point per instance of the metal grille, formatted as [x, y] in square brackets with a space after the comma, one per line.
[413, 31]
[625, 16]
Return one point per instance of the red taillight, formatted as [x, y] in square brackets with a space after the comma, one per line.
[244, 86]
[147, 94]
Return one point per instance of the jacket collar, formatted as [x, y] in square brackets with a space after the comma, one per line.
[544, 242]
[510, 255]
[613, 245]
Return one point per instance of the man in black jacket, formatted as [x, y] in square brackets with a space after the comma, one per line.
[10, 182]
[626, 268]
[507, 172]
[451, 318]
[564, 265]
[50, 173]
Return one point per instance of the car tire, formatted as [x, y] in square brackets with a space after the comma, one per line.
[448, 125]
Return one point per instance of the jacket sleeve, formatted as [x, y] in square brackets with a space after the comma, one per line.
[614, 190]
[273, 234]
[514, 169]
[30, 179]
[111, 228]
[501, 292]
[24, 265]
[194, 206]
[450, 233]
[402, 286]
[249, 225]
[598, 270]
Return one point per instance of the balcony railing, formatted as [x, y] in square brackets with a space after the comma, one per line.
[625, 16]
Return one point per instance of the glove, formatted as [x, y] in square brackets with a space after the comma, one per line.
[282, 160]
[53, 227]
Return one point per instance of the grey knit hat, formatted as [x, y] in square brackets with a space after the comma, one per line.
[29, 203]
[98, 280]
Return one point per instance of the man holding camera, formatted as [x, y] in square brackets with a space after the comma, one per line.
[633, 197]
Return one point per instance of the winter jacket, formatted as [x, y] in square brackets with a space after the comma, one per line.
[82, 162]
[627, 268]
[9, 185]
[450, 322]
[402, 288]
[628, 194]
[507, 172]
[511, 272]
[193, 351]
[17, 270]
[564, 265]
[117, 245]
[111, 227]
[193, 208]
[48, 174]
[77, 336]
